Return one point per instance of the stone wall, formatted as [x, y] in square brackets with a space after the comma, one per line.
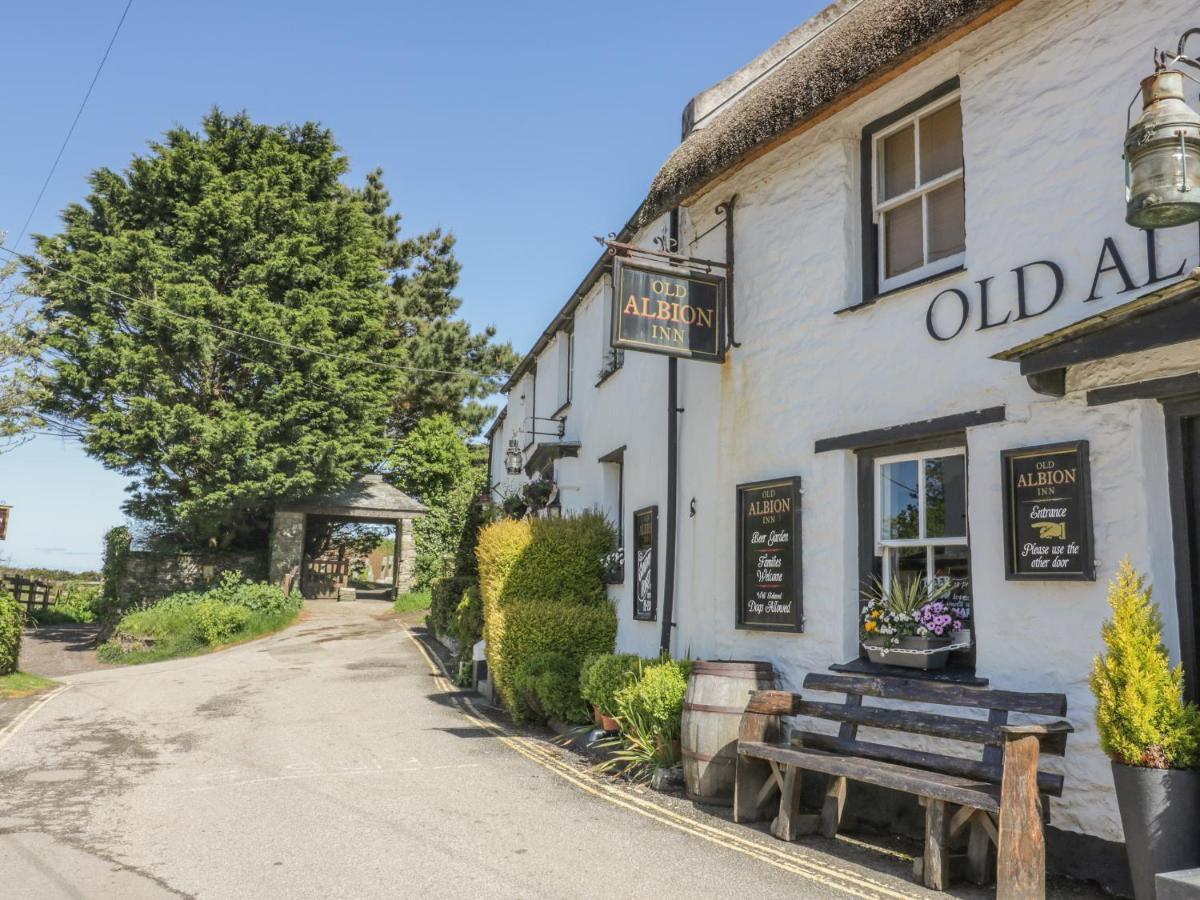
[151, 575]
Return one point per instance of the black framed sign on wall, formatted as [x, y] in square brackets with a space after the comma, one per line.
[1048, 513]
[769, 595]
[645, 562]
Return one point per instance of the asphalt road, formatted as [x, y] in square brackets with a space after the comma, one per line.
[328, 761]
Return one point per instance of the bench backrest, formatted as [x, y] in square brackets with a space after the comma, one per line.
[851, 714]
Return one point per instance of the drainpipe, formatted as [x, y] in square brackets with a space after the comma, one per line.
[673, 411]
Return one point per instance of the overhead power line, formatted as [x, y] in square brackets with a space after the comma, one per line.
[360, 360]
[74, 122]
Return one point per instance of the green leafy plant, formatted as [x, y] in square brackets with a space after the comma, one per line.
[75, 603]
[217, 623]
[117, 542]
[651, 717]
[445, 596]
[603, 675]
[899, 609]
[1140, 712]
[12, 620]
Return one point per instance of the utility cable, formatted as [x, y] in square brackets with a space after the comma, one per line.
[74, 122]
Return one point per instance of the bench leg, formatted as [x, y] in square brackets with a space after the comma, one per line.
[753, 785]
[786, 824]
[935, 871]
[1021, 847]
[979, 850]
[835, 802]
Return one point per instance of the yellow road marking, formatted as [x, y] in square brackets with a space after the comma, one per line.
[9, 730]
[850, 882]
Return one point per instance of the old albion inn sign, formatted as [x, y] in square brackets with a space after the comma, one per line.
[669, 313]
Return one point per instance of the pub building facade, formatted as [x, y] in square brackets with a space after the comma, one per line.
[934, 347]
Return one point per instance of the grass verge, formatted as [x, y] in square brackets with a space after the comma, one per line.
[22, 684]
[412, 601]
[170, 635]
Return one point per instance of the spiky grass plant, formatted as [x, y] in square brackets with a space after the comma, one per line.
[1140, 712]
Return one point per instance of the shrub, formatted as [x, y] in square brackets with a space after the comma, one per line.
[563, 561]
[445, 596]
[542, 591]
[468, 618]
[655, 698]
[1140, 712]
[12, 620]
[77, 603]
[214, 622]
[529, 628]
[256, 596]
[546, 686]
[604, 674]
[116, 560]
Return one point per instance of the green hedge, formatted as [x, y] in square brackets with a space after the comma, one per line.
[542, 592]
[12, 620]
[546, 686]
[445, 596]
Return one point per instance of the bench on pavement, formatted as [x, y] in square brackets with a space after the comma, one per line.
[997, 794]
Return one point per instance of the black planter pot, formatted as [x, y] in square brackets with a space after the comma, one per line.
[1160, 813]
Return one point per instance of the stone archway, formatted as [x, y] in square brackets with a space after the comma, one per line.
[367, 500]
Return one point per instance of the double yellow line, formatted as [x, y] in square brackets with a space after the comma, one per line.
[852, 883]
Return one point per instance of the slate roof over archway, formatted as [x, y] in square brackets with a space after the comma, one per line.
[366, 497]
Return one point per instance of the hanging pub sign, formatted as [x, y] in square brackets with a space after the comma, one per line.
[645, 559]
[669, 313]
[768, 556]
[1048, 513]
[4, 522]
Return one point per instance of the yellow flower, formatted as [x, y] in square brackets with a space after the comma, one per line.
[875, 614]
[870, 626]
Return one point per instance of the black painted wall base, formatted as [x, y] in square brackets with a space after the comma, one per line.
[1078, 856]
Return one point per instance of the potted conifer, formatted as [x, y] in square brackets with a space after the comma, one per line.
[1150, 734]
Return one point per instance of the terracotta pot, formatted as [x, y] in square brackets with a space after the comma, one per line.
[596, 714]
[609, 724]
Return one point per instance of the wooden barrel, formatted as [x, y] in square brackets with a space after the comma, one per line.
[716, 695]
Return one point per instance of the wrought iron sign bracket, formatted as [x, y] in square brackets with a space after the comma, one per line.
[558, 432]
[670, 254]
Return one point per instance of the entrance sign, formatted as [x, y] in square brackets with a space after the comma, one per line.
[657, 311]
[769, 596]
[645, 560]
[1048, 513]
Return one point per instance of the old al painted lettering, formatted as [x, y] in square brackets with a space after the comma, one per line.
[952, 309]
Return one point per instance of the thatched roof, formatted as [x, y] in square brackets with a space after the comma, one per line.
[366, 497]
[864, 43]
[850, 47]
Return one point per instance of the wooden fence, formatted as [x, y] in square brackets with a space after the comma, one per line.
[31, 592]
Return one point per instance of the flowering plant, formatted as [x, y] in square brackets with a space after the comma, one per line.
[911, 607]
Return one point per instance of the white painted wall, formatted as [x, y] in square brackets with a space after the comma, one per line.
[1044, 89]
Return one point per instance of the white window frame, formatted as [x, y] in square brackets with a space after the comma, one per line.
[879, 207]
[883, 544]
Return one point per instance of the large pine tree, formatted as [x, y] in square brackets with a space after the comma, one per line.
[230, 325]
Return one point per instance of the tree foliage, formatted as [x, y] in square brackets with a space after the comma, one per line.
[20, 350]
[435, 464]
[253, 330]
[1140, 712]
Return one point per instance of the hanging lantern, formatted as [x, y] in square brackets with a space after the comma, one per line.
[1162, 153]
[513, 462]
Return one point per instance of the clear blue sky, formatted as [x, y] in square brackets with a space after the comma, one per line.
[524, 128]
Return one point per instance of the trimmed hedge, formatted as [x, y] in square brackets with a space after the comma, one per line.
[445, 596]
[546, 686]
[12, 620]
[542, 591]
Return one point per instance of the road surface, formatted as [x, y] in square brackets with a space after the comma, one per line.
[330, 761]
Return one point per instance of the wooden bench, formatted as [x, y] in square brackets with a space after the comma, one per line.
[998, 794]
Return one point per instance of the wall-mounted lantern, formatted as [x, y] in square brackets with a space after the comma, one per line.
[1162, 148]
[514, 463]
